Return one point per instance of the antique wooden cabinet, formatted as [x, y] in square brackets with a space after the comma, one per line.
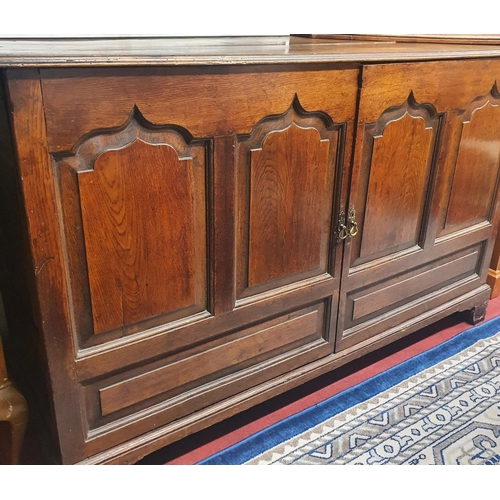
[197, 226]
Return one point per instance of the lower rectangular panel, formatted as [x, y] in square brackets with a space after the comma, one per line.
[391, 294]
[382, 306]
[402, 316]
[136, 389]
[129, 404]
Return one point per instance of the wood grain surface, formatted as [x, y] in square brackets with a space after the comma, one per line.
[183, 218]
[139, 221]
[213, 103]
[285, 232]
[399, 173]
[476, 170]
[149, 51]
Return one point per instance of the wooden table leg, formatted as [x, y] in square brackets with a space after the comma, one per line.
[13, 418]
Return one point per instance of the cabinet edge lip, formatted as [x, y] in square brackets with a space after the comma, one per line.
[366, 56]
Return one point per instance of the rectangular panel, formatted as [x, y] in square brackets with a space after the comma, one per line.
[426, 158]
[477, 165]
[396, 172]
[223, 357]
[288, 177]
[134, 207]
[384, 297]
[396, 187]
[139, 223]
[374, 308]
[285, 232]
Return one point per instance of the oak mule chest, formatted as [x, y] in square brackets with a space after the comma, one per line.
[190, 227]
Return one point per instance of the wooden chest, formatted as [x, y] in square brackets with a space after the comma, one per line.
[191, 229]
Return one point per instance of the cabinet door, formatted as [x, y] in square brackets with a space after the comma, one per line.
[423, 195]
[194, 217]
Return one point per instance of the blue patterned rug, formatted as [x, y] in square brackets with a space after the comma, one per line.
[440, 407]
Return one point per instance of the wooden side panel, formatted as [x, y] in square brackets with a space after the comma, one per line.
[476, 171]
[286, 172]
[139, 224]
[46, 269]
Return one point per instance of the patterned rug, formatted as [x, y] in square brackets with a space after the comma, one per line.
[440, 407]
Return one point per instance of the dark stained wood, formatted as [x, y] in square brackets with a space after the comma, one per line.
[220, 358]
[447, 85]
[28, 127]
[286, 178]
[146, 250]
[408, 200]
[183, 337]
[476, 171]
[116, 190]
[384, 297]
[477, 313]
[19, 299]
[224, 225]
[183, 222]
[399, 173]
[285, 232]
[181, 401]
[392, 179]
[137, 448]
[204, 104]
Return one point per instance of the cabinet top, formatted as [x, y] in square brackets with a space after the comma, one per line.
[236, 50]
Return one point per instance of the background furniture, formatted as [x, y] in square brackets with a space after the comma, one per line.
[494, 271]
[13, 417]
[202, 224]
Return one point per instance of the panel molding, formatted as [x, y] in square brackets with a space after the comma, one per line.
[363, 253]
[76, 174]
[265, 207]
[474, 148]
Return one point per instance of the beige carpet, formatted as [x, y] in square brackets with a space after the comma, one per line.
[448, 413]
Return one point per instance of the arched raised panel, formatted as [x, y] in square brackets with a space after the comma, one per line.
[476, 169]
[135, 222]
[286, 178]
[397, 171]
